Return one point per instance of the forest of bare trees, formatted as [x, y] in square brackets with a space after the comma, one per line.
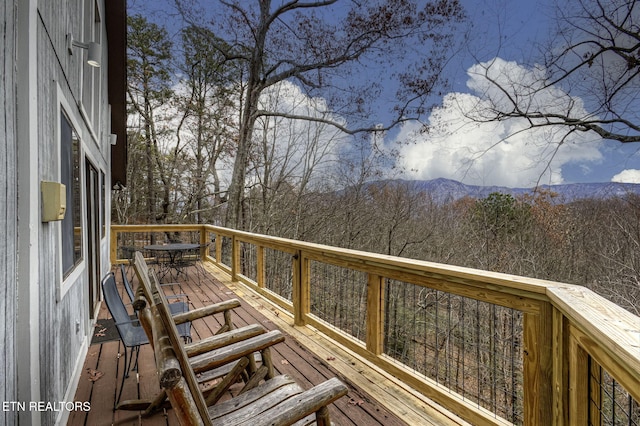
[229, 126]
[307, 175]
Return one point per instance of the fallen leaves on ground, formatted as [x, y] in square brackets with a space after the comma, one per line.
[94, 374]
[356, 402]
[284, 362]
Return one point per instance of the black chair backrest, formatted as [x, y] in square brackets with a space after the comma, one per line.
[116, 307]
[127, 284]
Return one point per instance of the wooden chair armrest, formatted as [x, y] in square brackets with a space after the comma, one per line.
[205, 311]
[224, 339]
[235, 351]
[304, 404]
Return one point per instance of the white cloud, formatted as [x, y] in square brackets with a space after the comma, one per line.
[303, 150]
[298, 149]
[627, 176]
[495, 153]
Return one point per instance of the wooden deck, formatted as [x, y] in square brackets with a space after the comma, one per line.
[305, 354]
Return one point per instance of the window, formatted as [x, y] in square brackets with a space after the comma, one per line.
[70, 177]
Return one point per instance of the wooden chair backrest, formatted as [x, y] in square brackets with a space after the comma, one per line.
[142, 272]
[158, 301]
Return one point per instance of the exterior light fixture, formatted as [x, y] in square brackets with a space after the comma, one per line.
[93, 56]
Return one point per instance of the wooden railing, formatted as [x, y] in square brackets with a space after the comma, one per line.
[563, 339]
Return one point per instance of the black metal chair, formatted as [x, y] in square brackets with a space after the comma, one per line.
[200, 259]
[193, 258]
[131, 333]
[129, 329]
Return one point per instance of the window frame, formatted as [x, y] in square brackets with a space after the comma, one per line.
[68, 279]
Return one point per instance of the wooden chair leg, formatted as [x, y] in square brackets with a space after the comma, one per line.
[322, 417]
[155, 404]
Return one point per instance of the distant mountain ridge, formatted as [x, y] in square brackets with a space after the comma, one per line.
[445, 190]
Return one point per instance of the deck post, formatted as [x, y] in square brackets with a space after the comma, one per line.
[218, 248]
[578, 383]
[538, 366]
[595, 393]
[375, 314]
[204, 236]
[235, 258]
[560, 369]
[113, 248]
[301, 288]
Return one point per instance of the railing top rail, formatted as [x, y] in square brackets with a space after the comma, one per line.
[437, 270]
[156, 227]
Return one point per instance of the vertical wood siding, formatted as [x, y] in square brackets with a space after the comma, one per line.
[60, 339]
[8, 206]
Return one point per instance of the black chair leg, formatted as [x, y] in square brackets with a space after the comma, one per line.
[128, 361]
[135, 366]
[127, 365]
[125, 374]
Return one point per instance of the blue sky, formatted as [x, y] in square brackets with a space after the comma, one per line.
[509, 31]
[512, 31]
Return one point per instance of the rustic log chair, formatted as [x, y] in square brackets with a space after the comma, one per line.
[278, 400]
[226, 334]
[218, 350]
[147, 278]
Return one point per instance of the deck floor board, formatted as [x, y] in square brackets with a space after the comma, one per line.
[290, 357]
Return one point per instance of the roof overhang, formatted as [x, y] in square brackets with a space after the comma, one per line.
[116, 23]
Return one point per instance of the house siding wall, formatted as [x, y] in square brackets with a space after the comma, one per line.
[46, 320]
[8, 206]
[65, 328]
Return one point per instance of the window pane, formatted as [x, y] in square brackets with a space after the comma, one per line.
[70, 177]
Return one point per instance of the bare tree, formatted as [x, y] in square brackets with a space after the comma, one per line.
[208, 124]
[585, 81]
[290, 158]
[148, 89]
[318, 44]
